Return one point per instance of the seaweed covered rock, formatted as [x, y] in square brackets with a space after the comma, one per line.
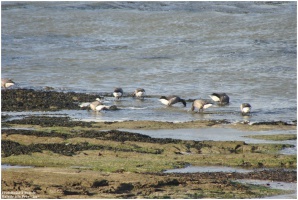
[46, 121]
[29, 99]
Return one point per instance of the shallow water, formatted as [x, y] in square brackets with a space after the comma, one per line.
[221, 134]
[215, 134]
[267, 183]
[191, 49]
[272, 184]
[4, 166]
[148, 109]
[275, 185]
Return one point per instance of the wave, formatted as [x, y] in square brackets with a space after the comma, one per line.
[224, 7]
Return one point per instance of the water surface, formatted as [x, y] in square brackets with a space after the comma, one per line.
[275, 185]
[215, 134]
[191, 49]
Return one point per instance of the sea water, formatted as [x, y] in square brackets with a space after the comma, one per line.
[189, 49]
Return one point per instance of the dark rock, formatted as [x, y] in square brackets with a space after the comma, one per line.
[99, 183]
[124, 188]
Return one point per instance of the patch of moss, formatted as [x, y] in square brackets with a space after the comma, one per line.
[144, 156]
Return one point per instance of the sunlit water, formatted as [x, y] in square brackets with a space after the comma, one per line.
[191, 49]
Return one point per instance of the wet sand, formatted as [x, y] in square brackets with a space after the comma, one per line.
[94, 160]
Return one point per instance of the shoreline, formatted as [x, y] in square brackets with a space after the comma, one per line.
[29, 100]
[31, 121]
[99, 160]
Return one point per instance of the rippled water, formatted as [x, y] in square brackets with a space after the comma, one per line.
[191, 49]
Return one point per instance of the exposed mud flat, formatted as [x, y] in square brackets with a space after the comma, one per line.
[77, 160]
[94, 160]
[80, 183]
[82, 163]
